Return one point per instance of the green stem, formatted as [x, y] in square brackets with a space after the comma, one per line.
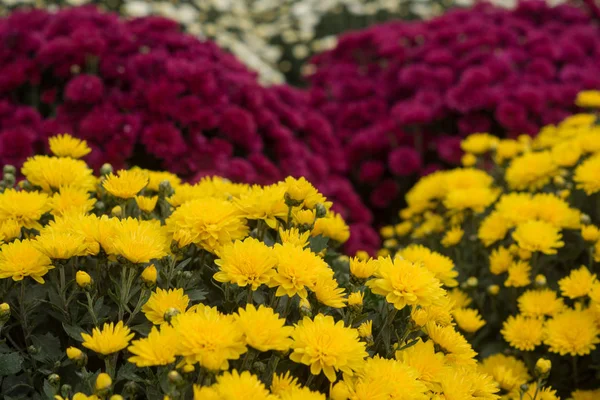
[249, 295]
[63, 291]
[248, 359]
[110, 363]
[141, 301]
[389, 319]
[23, 313]
[575, 371]
[538, 384]
[91, 308]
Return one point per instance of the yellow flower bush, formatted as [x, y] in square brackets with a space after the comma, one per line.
[136, 285]
[521, 231]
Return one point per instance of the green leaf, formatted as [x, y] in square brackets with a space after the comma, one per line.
[318, 243]
[49, 390]
[73, 331]
[127, 373]
[49, 348]
[183, 264]
[10, 364]
[197, 294]
[143, 328]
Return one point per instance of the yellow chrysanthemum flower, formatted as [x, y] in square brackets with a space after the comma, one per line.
[459, 298]
[210, 223]
[301, 190]
[20, 259]
[60, 245]
[25, 208]
[362, 269]
[475, 199]
[586, 394]
[283, 383]
[587, 175]
[140, 241]
[146, 204]
[248, 262]
[507, 149]
[579, 283]
[365, 329]
[440, 265]
[303, 393]
[518, 274]
[404, 283]
[265, 203]
[453, 236]
[52, 173]
[328, 292]
[382, 378]
[155, 178]
[209, 338]
[588, 98]
[522, 332]
[68, 146]
[468, 319]
[454, 345]
[294, 237]
[493, 228]
[235, 385]
[9, 229]
[555, 211]
[423, 358]
[439, 313]
[540, 303]
[70, 200]
[327, 346]
[356, 298]
[304, 217]
[479, 143]
[538, 236]
[297, 270]
[110, 339]
[500, 260]
[263, 329]
[572, 332]
[159, 348]
[161, 301]
[531, 171]
[333, 227]
[209, 186]
[126, 184]
[509, 372]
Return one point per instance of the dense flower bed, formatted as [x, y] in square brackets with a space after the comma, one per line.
[134, 285]
[141, 92]
[400, 95]
[524, 234]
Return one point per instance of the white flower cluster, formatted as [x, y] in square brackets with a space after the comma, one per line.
[270, 36]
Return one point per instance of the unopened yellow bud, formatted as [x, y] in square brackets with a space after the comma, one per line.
[383, 253]
[116, 397]
[83, 279]
[543, 366]
[472, 282]
[149, 275]
[563, 194]
[493, 290]
[540, 280]
[420, 317]
[365, 329]
[362, 255]
[559, 180]
[103, 382]
[468, 160]
[585, 219]
[170, 314]
[4, 311]
[74, 353]
[387, 232]
[117, 211]
[590, 233]
[174, 377]
[403, 228]
[390, 243]
[188, 368]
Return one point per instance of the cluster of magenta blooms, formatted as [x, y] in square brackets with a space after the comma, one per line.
[388, 104]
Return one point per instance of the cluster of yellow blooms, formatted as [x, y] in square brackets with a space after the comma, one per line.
[136, 285]
[519, 221]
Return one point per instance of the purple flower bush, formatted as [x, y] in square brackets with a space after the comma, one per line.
[141, 92]
[400, 96]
